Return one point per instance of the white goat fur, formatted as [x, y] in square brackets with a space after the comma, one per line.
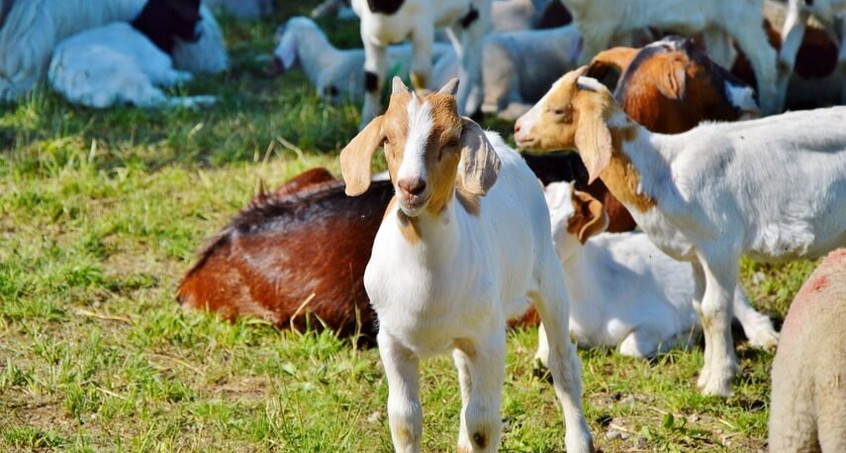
[116, 64]
[808, 402]
[601, 19]
[34, 27]
[832, 16]
[301, 40]
[624, 291]
[417, 20]
[454, 287]
[512, 79]
[765, 188]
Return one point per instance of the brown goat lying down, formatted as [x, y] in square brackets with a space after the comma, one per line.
[301, 250]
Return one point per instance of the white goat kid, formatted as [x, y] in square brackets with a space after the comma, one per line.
[390, 21]
[623, 290]
[455, 257]
[33, 28]
[116, 64]
[764, 188]
[600, 20]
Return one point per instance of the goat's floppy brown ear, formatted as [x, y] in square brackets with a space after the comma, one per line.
[479, 159]
[607, 66]
[356, 156]
[589, 218]
[671, 77]
[593, 139]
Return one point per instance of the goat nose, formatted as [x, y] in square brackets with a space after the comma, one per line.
[517, 127]
[414, 186]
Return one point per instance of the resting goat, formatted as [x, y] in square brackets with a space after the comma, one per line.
[126, 63]
[33, 28]
[623, 290]
[464, 245]
[764, 188]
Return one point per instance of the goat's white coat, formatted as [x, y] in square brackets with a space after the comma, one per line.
[115, 64]
[454, 290]
[766, 188]
[34, 27]
[625, 291]
[417, 20]
[326, 67]
[600, 20]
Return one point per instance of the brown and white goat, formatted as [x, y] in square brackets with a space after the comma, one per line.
[710, 195]
[464, 245]
[298, 251]
[670, 86]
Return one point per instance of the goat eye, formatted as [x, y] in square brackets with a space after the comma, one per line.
[453, 143]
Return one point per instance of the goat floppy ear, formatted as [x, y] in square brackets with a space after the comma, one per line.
[672, 77]
[356, 156]
[589, 218]
[593, 139]
[479, 159]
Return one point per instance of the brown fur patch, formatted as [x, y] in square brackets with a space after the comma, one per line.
[409, 228]
[466, 346]
[621, 176]
[469, 201]
[418, 81]
[588, 218]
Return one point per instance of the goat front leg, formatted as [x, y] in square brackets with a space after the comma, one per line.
[481, 369]
[374, 79]
[716, 314]
[468, 41]
[421, 58]
[405, 415]
[792, 33]
[553, 306]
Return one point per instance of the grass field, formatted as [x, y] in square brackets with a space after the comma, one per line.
[102, 212]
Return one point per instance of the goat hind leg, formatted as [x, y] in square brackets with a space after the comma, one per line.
[563, 362]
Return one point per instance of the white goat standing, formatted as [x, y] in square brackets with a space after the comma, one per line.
[389, 21]
[455, 257]
[600, 20]
[832, 15]
[773, 189]
[623, 290]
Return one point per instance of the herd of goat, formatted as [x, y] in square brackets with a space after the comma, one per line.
[459, 239]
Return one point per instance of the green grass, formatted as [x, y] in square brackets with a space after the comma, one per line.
[102, 212]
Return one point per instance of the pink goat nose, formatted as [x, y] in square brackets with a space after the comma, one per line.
[412, 186]
[517, 127]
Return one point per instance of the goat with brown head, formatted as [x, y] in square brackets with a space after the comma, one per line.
[424, 139]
